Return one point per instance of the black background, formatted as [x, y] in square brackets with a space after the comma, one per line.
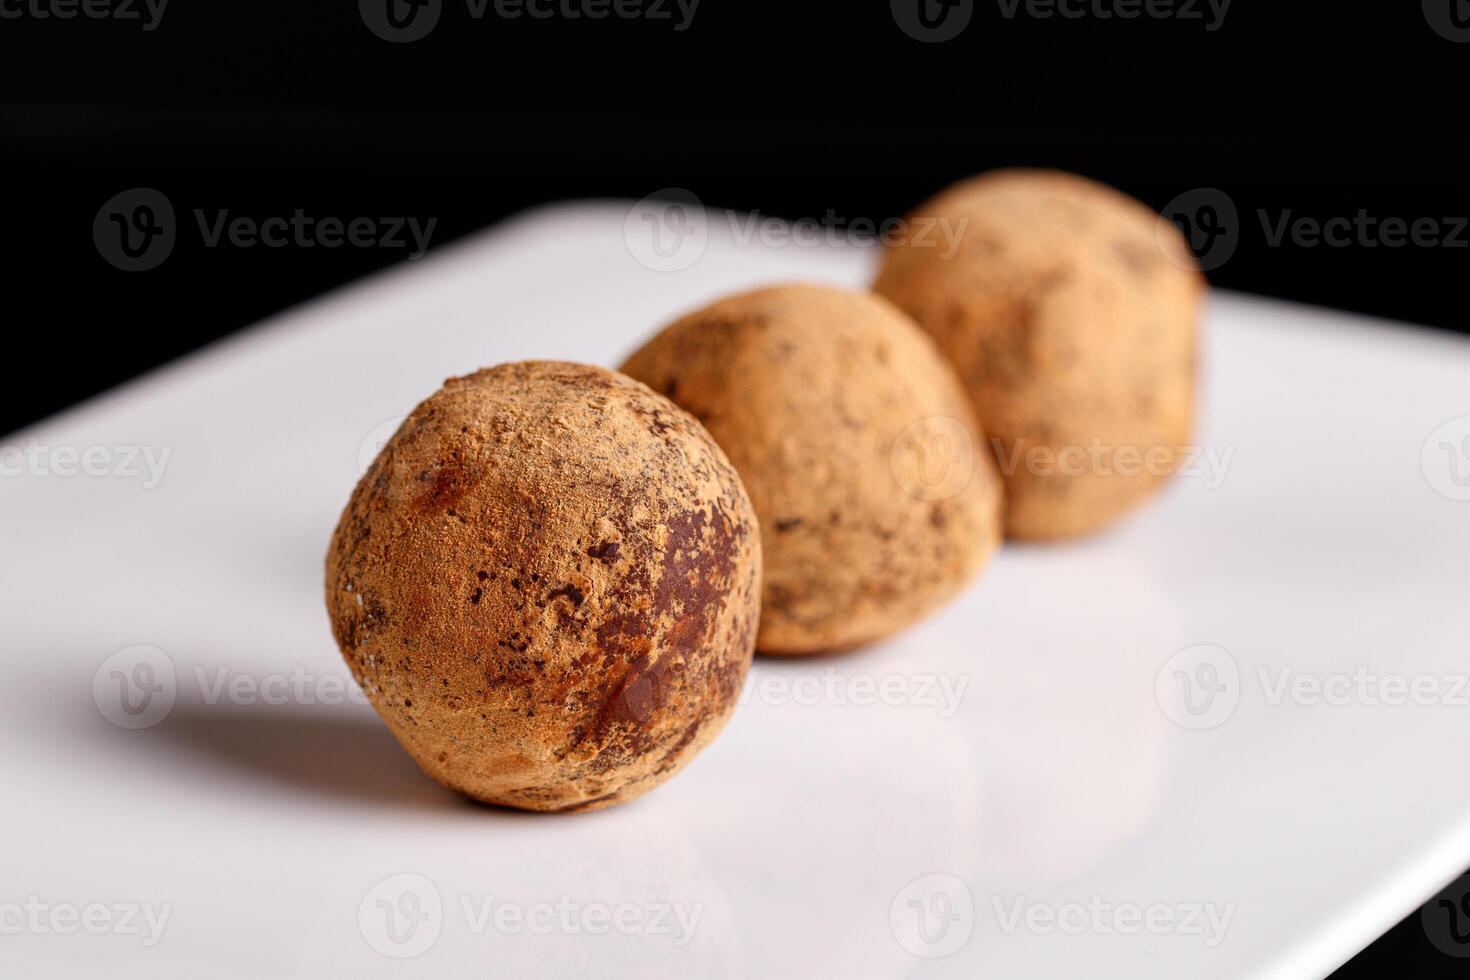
[797, 110]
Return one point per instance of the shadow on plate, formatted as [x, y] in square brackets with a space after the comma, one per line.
[348, 756]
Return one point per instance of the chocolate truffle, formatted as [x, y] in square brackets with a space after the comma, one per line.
[877, 498]
[1070, 312]
[548, 585]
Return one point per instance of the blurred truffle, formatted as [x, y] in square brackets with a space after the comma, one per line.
[877, 498]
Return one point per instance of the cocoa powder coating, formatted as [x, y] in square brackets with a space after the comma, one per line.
[548, 585]
[834, 406]
[1070, 312]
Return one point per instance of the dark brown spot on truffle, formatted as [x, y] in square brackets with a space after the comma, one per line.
[605, 551]
[569, 591]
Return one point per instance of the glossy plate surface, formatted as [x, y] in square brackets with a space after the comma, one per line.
[1221, 740]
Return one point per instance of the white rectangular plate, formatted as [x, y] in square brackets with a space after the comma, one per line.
[1014, 784]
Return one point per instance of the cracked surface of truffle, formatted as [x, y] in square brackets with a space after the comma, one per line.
[1070, 312]
[548, 585]
[831, 404]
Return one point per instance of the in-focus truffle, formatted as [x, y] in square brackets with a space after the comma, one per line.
[548, 585]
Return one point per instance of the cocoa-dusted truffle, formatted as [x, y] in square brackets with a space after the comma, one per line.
[876, 495]
[548, 585]
[1070, 311]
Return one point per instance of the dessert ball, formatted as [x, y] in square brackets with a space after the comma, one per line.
[1070, 312]
[877, 500]
[548, 584]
